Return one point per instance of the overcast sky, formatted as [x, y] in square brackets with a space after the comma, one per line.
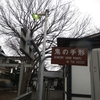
[91, 7]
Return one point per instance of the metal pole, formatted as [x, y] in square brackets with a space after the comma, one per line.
[20, 79]
[40, 80]
[48, 92]
[45, 31]
[43, 91]
[41, 69]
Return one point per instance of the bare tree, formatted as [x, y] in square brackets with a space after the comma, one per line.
[63, 21]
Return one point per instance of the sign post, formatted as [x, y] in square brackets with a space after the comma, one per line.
[69, 56]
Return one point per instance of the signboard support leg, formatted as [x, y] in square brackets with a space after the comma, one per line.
[69, 85]
[65, 83]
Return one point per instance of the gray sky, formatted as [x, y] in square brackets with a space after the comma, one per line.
[85, 6]
[91, 7]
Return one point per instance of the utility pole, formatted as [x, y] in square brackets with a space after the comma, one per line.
[41, 69]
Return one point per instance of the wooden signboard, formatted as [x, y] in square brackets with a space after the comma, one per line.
[69, 56]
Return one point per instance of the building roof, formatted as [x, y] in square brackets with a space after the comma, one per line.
[96, 35]
[92, 41]
[53, 74]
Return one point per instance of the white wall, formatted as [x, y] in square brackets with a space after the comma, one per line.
[81, 83]
[81, 80]
[74, 98]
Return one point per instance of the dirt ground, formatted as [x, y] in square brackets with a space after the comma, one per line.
[54, 95]
[7, 95]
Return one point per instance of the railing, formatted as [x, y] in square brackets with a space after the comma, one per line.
[26, 96]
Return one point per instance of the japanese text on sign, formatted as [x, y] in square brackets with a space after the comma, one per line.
[69, 56]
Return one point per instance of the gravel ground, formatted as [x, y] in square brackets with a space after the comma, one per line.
[54, 95]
